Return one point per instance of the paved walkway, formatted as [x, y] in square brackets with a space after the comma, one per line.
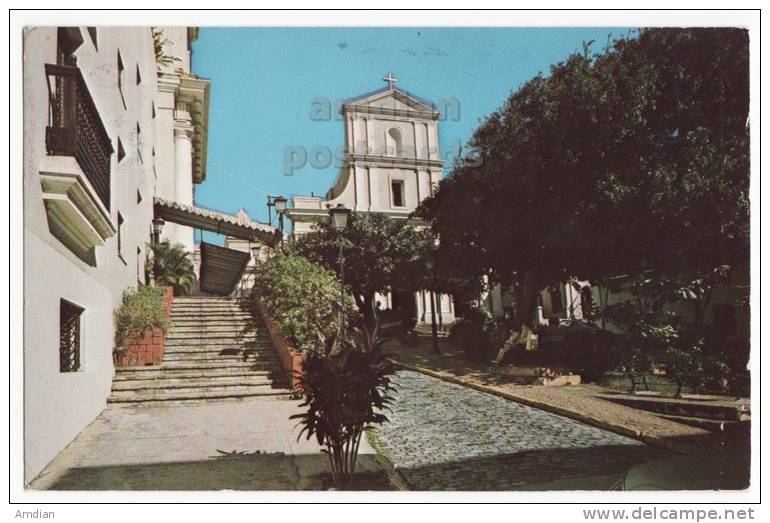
[587, 403]
[237, 445]
[443, 436]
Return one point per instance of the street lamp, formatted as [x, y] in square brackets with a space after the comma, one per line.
[157, 227]
[279, 202]
[339, 217]
[429, 263]
[280, 206]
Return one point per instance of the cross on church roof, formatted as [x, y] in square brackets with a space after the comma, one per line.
[391, 80]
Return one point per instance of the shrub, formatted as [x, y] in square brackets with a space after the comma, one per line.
[587, 352]
[140, 312]
[304, 298]
[345, 393]
[477, 333]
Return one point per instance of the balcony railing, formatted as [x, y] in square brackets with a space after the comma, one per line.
[75, 128]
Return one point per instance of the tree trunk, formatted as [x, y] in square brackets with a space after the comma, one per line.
[526, 298]
[370, 320]
[525, 295]
[630, 374]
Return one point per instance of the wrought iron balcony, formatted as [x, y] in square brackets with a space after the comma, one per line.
[75, 128]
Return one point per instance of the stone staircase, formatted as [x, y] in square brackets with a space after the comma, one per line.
[216, 349]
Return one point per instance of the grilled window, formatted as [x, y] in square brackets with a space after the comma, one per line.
[69, 336]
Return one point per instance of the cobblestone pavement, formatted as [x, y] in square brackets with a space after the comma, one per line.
[443, 436]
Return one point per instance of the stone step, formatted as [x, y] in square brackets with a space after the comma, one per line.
[217, 349]
[210, 316]
[703, 423]
[224, 320]
[203, 326]
[221, 382]
[234, 365]
[224, 350]
[209, 357]
[210, 306]
[152, 373]
[183, 327]
[229, 345]
[208, 341]
[163, 396]
[207, 311]
[713, 410]
[224, 343]
[198, 401]
[243, 334]
[209, 299]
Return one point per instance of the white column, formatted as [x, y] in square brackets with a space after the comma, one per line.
[183, 174]
[183, 178]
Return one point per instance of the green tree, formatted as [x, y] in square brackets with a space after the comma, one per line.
[304, 298]
[171, 265]
[380, 254]
[632, 158]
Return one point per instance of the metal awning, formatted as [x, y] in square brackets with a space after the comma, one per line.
[213, 221]
[221, 268]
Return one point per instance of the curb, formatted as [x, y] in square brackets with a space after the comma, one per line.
[653, 441]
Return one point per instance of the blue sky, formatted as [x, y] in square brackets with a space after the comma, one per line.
[264, 82]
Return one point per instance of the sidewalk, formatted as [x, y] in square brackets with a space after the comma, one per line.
[587, 403]
[237, 445]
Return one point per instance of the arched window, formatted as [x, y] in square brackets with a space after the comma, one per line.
[394, 142]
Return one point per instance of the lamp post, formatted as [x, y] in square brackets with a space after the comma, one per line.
[279, 202]
[157, 227]
[339, 216]
[434, 331]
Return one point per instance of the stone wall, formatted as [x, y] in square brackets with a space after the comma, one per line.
[291, 359]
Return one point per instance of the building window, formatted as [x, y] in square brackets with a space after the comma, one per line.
[139, 142]
[121, 150]
[138, 75]
[138, 196]
[397, 193]
[120, 236]
[92, 34]
[139, 272]
[394, 142]
[69, 336]
[121, 68]
[556, 304]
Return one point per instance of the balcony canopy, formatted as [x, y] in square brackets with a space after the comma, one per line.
[221, 268]
[213, 221]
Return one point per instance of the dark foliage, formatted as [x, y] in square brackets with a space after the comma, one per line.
[344, 394]
[633, 158]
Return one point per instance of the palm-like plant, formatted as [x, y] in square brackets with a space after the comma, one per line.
[345, 394]
[171, 265]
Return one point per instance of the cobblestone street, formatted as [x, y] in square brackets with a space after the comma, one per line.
[443, 436]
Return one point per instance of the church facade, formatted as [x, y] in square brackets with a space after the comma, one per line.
[392, 163]
[108, 126]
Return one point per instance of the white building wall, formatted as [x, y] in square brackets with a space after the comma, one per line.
[57, 406]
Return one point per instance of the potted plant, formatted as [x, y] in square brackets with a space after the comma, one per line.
[140, 325]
